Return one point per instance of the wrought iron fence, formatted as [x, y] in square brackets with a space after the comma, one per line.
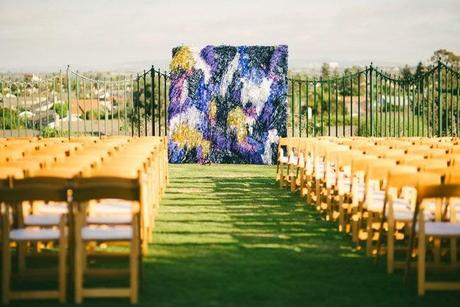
[65, 104]
[150, 96]
[371, 102]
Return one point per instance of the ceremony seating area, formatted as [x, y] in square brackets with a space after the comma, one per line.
[83, 203]
[397, 198]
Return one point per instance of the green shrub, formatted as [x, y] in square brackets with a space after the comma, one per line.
[49, 132]
[61, 108]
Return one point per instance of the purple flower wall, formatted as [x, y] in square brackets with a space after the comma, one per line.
[227, 104]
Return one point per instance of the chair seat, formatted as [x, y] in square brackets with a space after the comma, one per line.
[344, 184]
[42, 220]
[360, 190]
[113, 219]
[34, 234]
[399, 204]
[293, 160]
[407, 215]
[108, 233]
[284, 160]
[52, 209]
[112, 207]
[442, 229]
[301, 162]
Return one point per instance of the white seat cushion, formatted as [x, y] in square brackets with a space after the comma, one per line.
[360, 189]
[113, 219]
[293, 160]
[53, 209]
[376, 205]
[42, 220]
[108, 233]
[344, 183]
[407, 215]
[442, 229]
[112, 207]
[301, 162]
[34, 234]
[284, 160]
[401, 204]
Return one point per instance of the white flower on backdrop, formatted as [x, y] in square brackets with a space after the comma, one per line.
[272, 138]
[228, 76]
[192, 117]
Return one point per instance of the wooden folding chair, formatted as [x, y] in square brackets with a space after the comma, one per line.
[293, 159]
[96, 188]
[374, 199]
[283, 159]
[440, 228]
[329, 192]
[344, 182]
[358, 188]
[118, 212]
[30, 189]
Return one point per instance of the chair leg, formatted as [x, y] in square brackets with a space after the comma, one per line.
[370, 233]
[354, 224]
[6, 274]
[390, 248]
[453, 251]
[341, 214]
[21, 249]
[437, 250]
[293, 183]
[318, 196]
[281, 176]
[302, 182]
[62, 267]
[421, 263]
[79, 245]
[134, 268]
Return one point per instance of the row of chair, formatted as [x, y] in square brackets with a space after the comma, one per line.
[380, 190]
[79, 196]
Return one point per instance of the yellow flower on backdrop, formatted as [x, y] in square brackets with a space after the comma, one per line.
[183, 59]
[237, 120]
[213, 109]
[186, 136]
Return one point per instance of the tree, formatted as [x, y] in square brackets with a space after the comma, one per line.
[325, 71]
[447, 57]
[420, 69]
[406, 72]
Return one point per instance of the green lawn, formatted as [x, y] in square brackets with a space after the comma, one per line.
[227, 235]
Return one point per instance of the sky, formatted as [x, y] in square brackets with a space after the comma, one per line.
[47, 35]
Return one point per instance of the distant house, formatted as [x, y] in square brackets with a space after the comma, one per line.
[81, 106]
[112, 103]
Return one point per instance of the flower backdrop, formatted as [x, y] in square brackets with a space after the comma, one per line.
[227, 104]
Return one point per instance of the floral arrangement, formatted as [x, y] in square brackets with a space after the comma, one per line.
[227, 104]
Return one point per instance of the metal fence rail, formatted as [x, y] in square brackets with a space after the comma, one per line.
[371, 102]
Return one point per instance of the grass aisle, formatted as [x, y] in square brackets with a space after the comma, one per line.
[226, 235]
